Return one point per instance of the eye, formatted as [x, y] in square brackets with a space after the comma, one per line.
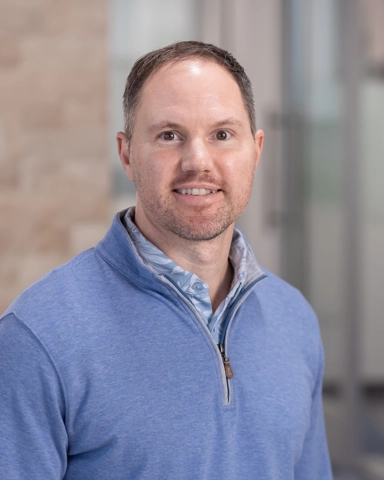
[222, 135]
[168, 136]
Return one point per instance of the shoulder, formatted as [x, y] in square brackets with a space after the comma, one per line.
[284, 296]
[72, 305]
[285, 311]
[293, 303]
[60, 286]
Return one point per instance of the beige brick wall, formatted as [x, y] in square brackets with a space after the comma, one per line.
[54, 171]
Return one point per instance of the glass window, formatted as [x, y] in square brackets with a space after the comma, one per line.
[137, 27]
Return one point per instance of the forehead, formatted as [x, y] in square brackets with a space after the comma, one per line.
[195, 86]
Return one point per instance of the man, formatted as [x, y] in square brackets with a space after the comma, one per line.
[166, 352]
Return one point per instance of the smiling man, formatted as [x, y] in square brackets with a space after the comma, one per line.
[166, 351]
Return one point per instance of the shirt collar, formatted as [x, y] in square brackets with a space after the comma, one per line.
[245, 266]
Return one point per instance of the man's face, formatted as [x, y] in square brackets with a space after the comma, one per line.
[192, 155]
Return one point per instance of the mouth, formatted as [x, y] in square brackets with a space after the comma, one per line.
[195, 191]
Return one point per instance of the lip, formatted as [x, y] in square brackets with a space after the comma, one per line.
[206, 187]
[198, 200]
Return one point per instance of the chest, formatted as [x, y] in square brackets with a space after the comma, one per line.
[149, 392]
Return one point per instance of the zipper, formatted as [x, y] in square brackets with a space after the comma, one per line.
[227, 365]
[186, 300]
[228, 372]
[220, 349]
[232, 312]
[223, 348]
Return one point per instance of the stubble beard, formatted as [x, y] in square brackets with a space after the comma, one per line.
[200, 225]
[197, 227]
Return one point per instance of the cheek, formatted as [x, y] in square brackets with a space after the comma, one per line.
[161, 165]
[240, 168]
[153, 173]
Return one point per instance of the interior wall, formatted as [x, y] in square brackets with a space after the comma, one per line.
[54, 170]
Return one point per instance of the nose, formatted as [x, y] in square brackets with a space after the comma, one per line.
[196, 156]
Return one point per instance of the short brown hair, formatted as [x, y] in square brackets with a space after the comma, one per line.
[147, 65]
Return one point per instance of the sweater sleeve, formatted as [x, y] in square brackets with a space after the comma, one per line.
[33, 441]
[314, 462]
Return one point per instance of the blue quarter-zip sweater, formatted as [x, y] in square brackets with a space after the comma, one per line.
[106, 372]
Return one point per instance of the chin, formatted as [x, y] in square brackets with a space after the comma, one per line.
[199, 233]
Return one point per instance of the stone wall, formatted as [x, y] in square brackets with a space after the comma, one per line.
[54, 171]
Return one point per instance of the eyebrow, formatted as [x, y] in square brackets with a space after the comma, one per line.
[162, 125]
[230, 121]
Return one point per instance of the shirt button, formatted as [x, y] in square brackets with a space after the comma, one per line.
[198, 286]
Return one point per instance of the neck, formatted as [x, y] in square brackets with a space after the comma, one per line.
[207, 259]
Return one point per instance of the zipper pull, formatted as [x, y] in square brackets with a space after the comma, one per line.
[227, 365]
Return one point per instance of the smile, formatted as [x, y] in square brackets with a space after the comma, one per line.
[195, 191]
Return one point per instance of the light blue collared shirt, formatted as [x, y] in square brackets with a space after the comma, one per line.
[195, 289]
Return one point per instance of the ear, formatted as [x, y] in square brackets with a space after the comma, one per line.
[124, 153]
[259, 140]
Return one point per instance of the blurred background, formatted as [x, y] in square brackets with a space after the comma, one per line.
[316, 216]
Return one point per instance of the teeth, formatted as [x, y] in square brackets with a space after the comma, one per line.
[195, 191]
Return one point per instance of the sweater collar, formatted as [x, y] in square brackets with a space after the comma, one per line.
[244, 265]
[118, 249]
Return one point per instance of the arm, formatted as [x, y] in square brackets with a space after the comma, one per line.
[314, 463]
[33, 439]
